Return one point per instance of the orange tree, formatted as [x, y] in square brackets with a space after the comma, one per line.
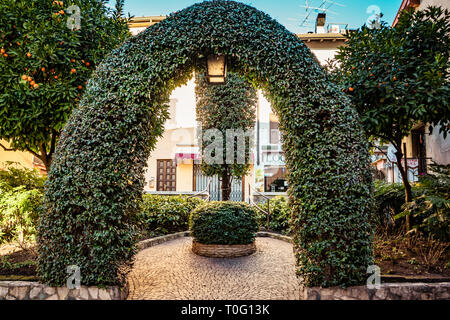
[399, 76]
[46, 59]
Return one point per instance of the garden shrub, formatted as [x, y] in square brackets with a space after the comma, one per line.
[162, 215]
[279, 215]
[430, 209]
[21, 192]
[224, 222]
[15, 175]
[97, 174]
[389, 198]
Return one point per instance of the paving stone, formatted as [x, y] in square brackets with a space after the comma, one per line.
[172, 271]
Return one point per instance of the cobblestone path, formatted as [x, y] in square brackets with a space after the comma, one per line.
[170, 271]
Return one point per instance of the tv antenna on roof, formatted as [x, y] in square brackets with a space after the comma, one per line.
[323, 7]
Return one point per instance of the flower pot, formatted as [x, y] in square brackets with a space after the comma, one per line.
[223, 250]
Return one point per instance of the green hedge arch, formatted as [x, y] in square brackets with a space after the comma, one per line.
[96, 180]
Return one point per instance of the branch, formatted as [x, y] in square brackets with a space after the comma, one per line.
[374, 146]
[33, 153]
[6, 149]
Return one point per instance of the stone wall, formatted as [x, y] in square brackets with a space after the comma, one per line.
[387, 291]
[24, 290]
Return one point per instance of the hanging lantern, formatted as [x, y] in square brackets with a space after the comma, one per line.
[217, 69]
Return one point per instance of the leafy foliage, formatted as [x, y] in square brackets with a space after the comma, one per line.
[399, 76]
[224, 107]
[162, 215]
[15, 175]
[389, 199]
[44, 66]
[97, 177]
[21, 193]
[224, 222]
[430, 209]
[279, 215]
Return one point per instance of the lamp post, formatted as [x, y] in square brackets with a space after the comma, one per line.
[216, 69]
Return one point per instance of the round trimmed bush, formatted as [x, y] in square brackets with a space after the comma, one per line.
[224, 223]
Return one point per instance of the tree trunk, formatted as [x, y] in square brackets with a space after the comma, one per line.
[406, 184]
[226, 185]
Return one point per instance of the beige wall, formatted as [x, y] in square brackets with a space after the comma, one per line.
[24, 158]
[437, 147]
[165, 149]
[427, 3]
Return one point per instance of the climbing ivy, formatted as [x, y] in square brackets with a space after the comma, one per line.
[97, 177]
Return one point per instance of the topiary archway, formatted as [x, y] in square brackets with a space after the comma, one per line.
[96, 179]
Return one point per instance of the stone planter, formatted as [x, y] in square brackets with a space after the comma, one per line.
[222, 250]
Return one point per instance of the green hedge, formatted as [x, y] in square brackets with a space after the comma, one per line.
[97, 174]
[224, 223]
[162, 215]
[279, 215]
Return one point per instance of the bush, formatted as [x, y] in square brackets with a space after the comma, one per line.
[20, 199]
[279, 215]
[224, 223]
[15, 175]
[389, 198]
[162, 215]
[430, 209]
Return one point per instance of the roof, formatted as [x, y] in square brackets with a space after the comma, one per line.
[322, 37]
[406, 4]
[144, 22]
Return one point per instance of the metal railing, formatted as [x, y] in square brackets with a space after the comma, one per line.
[252, 203]
[205, 192]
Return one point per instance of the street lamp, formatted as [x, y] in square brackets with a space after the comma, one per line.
[217, 69]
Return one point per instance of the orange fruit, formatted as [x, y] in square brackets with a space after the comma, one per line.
[61, 12]
[43, 69]
[2, 51]
[24, 77]
[32, 83]
[29, 55]
[35, 86]
[56, 77]
[82, 61]
[72, 60]
[353, 68]
[73, 71]
[29, 79]
[18, 43]
[5, 55]
[80, 87]
[351, 89]
[394, 78]
[87, 64]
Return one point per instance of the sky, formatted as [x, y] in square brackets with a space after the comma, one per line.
[290, 13]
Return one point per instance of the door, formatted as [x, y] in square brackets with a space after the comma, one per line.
[201, 183]
[167, 175]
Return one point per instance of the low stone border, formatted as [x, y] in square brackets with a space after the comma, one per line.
[277, 236]
[387, 291]
[144, 244]
[24, 290]
[223, 250]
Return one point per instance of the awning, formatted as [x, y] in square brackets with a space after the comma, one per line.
[192, 153]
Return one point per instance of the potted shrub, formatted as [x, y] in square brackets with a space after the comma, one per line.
[224, 229]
